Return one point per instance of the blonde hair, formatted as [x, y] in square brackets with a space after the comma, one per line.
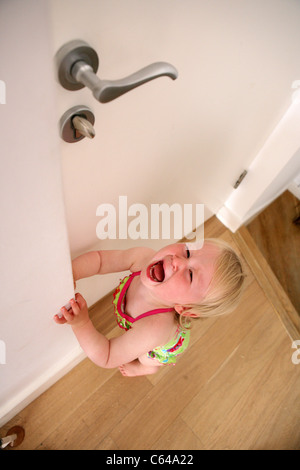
[225, 288]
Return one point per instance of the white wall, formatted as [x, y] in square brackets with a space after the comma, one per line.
[35, 269]
[270, 173]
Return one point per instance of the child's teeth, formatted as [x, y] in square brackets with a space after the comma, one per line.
[156, 274]
[152, 273]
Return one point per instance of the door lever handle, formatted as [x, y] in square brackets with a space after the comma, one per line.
[77, 65]
[107, 90]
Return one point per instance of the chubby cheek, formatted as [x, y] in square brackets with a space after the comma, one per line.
[161, 291]
[172, 294]
[174, 249]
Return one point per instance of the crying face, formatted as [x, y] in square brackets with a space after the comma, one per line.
[179, 274]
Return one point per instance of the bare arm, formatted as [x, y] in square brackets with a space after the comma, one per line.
[86, 265]
[109, 261]
[143, 337]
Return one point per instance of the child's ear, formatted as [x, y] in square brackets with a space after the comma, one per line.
[182, 311]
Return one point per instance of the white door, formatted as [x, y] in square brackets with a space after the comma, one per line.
[169, 142]
[185, 141]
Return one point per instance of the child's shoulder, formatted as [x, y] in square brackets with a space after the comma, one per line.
[141, 256]
[161, 327]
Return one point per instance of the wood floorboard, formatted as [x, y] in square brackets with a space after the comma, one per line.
[178, 436]
[213, 405]
[235, 388]
[278, 239]
[252, 415]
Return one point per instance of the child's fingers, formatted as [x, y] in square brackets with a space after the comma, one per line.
[59, 320]
[75, 307]
[67, 314]
[80, 300]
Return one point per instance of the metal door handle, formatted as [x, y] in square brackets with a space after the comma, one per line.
[77, 65]
[76, 124]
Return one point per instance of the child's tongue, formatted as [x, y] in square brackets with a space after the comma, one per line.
[159, 272]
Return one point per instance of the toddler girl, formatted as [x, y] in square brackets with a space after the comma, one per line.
[155, 302]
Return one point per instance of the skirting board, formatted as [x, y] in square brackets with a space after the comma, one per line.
[40, 385]
[229, 219]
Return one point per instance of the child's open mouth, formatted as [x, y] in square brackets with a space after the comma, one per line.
[156, 271]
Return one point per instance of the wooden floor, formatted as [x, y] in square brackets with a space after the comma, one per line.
[235, 388]
[278, 238]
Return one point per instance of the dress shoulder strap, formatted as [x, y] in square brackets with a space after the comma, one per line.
[153, 312]
[150, 312]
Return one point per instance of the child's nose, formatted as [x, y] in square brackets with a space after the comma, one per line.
[178, 262]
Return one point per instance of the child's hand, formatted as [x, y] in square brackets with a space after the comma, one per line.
[78, 314]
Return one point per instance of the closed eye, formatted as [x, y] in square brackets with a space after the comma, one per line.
[188, 255]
